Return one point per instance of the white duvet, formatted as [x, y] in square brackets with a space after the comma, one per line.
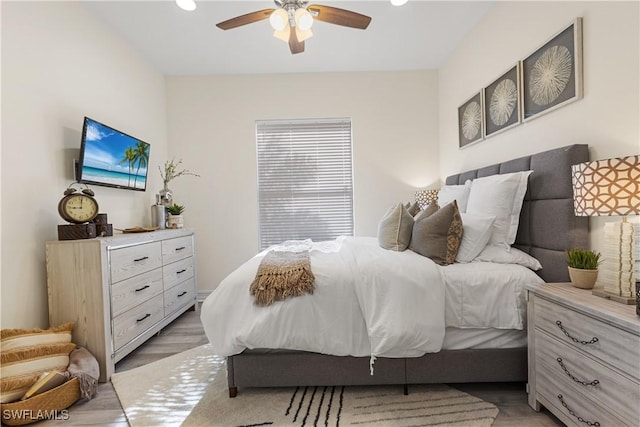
[368, 301]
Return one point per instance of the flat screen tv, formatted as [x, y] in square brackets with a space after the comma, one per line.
[112, 158]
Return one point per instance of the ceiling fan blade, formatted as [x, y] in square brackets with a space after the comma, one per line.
[295, 46]
[337, 16]
[241, 20]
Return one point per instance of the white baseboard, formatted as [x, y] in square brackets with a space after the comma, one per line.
[202, 295]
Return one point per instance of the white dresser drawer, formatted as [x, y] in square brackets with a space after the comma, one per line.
[179, 296]
[130, 261]
[132, 323]
[587, 379]
[177, 272]
[135, 290]
[556, 389]
[619, 348]
[176, 249]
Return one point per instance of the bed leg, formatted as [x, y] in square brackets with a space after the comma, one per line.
[406, 389]
[233, 391]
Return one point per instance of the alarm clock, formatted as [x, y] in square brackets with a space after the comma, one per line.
[78, 208]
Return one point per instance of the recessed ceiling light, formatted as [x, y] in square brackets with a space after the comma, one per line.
[398, 2]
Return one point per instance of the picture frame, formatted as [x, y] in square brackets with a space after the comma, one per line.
[502, 102]
[470, 122]
[551, 76]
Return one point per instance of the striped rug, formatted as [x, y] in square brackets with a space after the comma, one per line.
[190, 389]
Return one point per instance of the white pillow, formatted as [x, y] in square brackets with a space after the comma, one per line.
[459, 193]
[499, 254]
[476, 233]
[501, 196]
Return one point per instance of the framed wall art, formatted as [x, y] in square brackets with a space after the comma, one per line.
[552, 75]
[470, 121]
[502, 102]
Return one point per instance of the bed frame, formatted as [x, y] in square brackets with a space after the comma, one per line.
[547, 227]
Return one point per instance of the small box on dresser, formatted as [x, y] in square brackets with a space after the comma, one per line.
[584, 356]
[120, 290]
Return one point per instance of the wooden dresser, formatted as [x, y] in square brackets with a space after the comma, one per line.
[120, 290]
[584, 356]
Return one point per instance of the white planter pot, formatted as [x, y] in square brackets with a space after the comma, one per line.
[175, 221]
[584, 279]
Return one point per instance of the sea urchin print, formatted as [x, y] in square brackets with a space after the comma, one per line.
[503, 102]
[550, 74]
[471, 120]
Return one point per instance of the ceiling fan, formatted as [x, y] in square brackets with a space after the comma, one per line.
[292, 20]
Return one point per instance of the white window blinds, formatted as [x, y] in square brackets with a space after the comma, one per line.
[305, 181]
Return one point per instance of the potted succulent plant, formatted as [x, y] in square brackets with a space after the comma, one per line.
[583, 267]
[175, 218]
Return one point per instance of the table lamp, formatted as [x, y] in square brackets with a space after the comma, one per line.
[425, 197]
[606, 188]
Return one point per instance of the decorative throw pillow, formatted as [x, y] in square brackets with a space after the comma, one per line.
[394, 229]
[27, 353]
[476, 233]
[437, 236]
[459, 193]
[413, 209]
[500, 196]
[429, 210]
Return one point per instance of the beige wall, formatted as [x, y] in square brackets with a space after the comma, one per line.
[212, 127]
[607, 118]
[58, 65]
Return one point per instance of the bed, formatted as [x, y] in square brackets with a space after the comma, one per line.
[492, 352]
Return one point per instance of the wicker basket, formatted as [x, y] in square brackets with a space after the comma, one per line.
[42, 406]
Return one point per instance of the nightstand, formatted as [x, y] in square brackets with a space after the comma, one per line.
[584, 356]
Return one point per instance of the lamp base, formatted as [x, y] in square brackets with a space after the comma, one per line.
[613, 297]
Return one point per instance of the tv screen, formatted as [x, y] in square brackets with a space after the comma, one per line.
[111, 158]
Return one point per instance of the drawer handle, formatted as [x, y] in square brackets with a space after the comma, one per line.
[566, 371]
[582, 420]
[144, 317]
[593, 340]
[182, 294]
[181, 271]
[141, 259]
[181, 248]
[142, 288]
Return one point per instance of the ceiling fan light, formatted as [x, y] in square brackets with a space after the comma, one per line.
[187, 5]
[302, 35]
[304, 20]
[283, 34]
[398, 2]
[279, 19]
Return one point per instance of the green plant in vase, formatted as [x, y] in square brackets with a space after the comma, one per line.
[175, 219]
[583, 267]
[170, 172]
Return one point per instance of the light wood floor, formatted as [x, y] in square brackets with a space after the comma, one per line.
[186, 332]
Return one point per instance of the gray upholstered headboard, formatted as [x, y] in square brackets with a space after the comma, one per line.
[548, 225]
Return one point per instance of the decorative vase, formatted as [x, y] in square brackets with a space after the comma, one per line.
[584, 279]
[165, 196]
[175, 221]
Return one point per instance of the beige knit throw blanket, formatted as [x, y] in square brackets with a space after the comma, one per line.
[282, 275]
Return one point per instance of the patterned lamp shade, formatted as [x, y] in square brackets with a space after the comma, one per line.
[607, 187]
[611, 187]
[425, 197]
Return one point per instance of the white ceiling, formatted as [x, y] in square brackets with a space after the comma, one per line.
[418, 35]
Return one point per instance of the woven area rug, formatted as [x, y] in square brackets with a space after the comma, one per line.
[190, 389]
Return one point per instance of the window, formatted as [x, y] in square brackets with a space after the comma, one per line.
[305, 181]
